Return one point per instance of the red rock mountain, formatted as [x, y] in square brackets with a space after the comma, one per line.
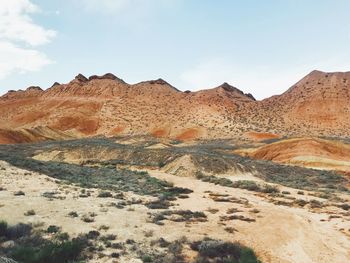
[319, 104]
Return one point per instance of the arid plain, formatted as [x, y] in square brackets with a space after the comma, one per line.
[99, 170]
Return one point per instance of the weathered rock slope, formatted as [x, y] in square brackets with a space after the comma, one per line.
[317, 105]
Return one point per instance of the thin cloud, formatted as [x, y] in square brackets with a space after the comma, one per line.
[106, 6]
[17, 33]
[120, 6]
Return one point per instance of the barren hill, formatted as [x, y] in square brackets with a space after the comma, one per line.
[307, 152]
[107, 105]
[318, 104]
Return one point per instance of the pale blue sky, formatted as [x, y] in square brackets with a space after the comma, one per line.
[259, 46]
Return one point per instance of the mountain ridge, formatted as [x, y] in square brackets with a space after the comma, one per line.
[106, 105]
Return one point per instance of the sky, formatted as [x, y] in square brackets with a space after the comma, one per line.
[259, 46]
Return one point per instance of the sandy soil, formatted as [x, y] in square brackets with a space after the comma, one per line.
[279, 234]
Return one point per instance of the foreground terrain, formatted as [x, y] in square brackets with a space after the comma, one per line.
[143, 199]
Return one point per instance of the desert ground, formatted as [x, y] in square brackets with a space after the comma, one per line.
[173, 131]
[143, 199]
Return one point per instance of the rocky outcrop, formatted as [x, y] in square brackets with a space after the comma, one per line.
[109, 76]
[81, 78]
[160, 82]
[231, 89]
[36, 88]
[55, 84]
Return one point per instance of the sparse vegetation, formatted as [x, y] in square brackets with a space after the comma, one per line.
[18, 193]
[132, 190]
[219, 251]
[29, 213]
[87, 218]
[104, 194]
[73, 214]
[237, 217]
[53, 229]
[315, 204]
[107, 178]
[30, 247]
[178, 216]
[208, 157]
[242, 184]
[344, 206]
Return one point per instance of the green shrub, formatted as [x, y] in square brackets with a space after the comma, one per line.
[73, 214]
[161, 164]
[104, 194]
[24, 254]
[18, 193]
[29, 213]
[53, 229]
[182, 216]
[300, 202]
[147, 259]
[3, 228]
[109, 237]
[344, 207]
[315, 204]
[247, 255]
[270, 189]
[18, 231]
[93, 234]
[103, 227]
[62, 237]
[246, 184]
[62, 252]
[87, 218]
[158, 204]
[220, 251]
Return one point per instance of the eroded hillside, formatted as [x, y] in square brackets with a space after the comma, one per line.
[317, 105]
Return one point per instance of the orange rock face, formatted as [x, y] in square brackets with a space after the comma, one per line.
[318, 104]
[307, 152]
[106, 105]
[260, 136]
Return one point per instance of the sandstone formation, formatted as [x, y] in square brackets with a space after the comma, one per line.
[317, 105]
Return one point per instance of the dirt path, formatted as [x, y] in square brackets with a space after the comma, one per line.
[280, 233]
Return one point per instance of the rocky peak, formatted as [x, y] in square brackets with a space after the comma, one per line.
[249, 95]
[229, 88]
[81, 78]
[106, 76]
[37, 88]
[55, 84]
[159, 82]
[317, 72]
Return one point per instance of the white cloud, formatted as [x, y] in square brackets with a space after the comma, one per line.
[13, 58]
[262, 81]
[17, 33]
